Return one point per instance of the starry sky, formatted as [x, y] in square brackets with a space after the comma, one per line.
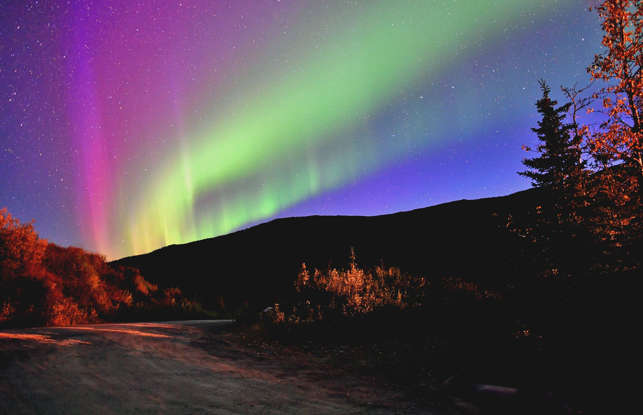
[128, 125]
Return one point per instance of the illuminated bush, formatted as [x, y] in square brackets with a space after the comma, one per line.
[21, 251]
[353, 291]
[43, 283]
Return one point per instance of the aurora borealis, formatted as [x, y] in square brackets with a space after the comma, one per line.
[127, 126]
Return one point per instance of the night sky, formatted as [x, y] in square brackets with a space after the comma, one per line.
[128, 125]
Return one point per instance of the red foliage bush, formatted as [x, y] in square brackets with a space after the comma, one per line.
[42, 283]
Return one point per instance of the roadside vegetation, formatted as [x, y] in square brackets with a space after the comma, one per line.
[45, 284]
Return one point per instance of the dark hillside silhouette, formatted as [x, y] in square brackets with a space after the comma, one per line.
[466, 239]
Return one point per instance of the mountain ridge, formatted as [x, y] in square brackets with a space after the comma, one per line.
[258, 264]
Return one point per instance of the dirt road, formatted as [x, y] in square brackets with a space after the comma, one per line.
[179, 368]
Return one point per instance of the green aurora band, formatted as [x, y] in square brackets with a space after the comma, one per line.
[258, 154]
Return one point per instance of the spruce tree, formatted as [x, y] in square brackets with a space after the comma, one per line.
[559, 149]
[554, 225]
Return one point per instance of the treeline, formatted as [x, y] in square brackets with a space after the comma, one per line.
[589, 224]
[45, 284]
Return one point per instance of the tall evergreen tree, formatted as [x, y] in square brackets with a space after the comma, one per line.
[559, 148]
[554, 226]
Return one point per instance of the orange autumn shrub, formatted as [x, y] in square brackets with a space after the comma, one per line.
[21, 251]
[45, 284]
[352, 291]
